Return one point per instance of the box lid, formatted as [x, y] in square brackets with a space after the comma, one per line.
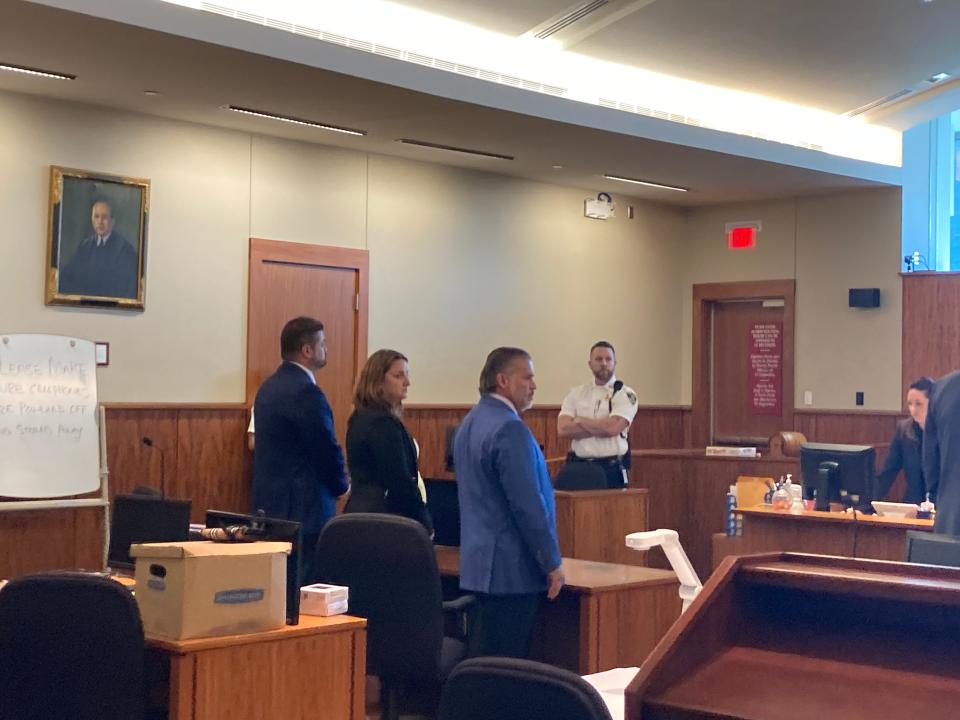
[206, 548]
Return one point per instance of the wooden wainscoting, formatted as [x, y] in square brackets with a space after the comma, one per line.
[204, 457]
[654, 426]
[847, 426]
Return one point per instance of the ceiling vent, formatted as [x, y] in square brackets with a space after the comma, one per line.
[556, 26]
[583, 20]
[877, 104]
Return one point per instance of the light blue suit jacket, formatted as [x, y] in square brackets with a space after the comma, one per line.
[508, 529]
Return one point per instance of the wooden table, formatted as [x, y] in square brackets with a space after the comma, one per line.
[874, 537]
[310, 670]
[608, 615]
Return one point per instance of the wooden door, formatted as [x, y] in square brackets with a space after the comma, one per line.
[327, 283]
[738, 415]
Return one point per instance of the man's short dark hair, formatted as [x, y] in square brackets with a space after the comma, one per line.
[924, 385]
[297, 333]
[604, 344]
[102, 200]
[497, 362]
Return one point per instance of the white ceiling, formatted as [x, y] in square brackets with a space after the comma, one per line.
[115, 63]
[834, 55]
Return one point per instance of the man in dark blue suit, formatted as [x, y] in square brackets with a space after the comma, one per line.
[941, 452]
[298, 467]
[509, 554]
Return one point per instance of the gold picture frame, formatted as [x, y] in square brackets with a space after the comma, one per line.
[97, 239]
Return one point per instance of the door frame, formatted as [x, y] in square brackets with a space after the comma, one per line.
[704, 296]
[280, 251]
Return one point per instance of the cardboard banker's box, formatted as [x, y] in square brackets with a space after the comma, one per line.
[202, 589]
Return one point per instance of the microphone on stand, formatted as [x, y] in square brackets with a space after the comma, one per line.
[148, 441]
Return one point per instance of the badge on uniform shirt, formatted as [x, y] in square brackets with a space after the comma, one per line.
[633, 398]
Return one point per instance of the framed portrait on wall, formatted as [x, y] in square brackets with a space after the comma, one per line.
[97, 239]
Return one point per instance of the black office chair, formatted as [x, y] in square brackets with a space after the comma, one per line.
[494, 688]
[580, 476]
[71, 648]
[930, 549]
[389, 564]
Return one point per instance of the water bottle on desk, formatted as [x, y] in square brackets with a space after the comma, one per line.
[732, 519]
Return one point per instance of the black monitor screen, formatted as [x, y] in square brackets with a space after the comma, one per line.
[849, 481]
[144, 519]
[930, 549]
[270, 529]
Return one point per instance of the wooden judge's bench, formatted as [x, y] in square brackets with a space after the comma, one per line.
[793, 637]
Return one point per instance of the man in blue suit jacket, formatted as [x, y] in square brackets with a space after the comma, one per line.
[298, 465]
[509, 553]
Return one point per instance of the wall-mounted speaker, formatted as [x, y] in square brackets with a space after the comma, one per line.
[864, 297]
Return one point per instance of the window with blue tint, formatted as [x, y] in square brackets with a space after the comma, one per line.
[931, 190]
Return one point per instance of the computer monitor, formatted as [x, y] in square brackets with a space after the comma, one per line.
[145, 518]
[265, 528]
[933, 549]
[444, 508]
[838, 473]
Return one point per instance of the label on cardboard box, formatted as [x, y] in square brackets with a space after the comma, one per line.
[203, 589]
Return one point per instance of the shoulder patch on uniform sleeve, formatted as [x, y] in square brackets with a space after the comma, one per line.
[633, 398]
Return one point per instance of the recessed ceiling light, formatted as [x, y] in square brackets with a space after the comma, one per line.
[939, 77]
[452, 148]
[635, 181]
[296, 120]
[36, 71]
[152, 93]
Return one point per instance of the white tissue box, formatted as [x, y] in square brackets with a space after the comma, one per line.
[321, 599]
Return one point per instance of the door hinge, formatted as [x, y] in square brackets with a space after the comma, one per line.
[356, 302]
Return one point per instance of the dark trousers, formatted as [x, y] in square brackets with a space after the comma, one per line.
[503, 625]
[612, 467]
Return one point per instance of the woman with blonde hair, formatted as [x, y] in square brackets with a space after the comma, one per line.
[381, 454]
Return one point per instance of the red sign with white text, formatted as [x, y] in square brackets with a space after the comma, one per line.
[766, 369]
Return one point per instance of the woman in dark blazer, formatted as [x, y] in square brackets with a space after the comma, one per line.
[906, 446]
[381, 454]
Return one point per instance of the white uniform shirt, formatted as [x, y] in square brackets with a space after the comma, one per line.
[599, 401]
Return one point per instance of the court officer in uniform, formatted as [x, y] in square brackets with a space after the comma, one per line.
[596, 417]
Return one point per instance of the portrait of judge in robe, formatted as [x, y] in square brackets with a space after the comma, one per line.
[99, 236]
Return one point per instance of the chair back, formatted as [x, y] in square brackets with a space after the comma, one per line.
[580, 476]
[494, 688]
[389, 564]
[71, 647]
[933, 549]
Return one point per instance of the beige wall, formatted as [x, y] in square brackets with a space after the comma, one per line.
[828, 244]
[460, 261]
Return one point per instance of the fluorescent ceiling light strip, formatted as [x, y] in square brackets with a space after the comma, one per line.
[647, 183]
[296, 120]
[451, 148]
[36, 71]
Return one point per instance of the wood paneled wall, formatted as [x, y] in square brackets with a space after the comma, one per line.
[205, 459]
[204, 449]
[931, 329]
[653, 427]
[839, 426]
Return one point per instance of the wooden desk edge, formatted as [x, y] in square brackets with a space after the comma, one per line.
[308, 625]
[448, 561]
[837, 517]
